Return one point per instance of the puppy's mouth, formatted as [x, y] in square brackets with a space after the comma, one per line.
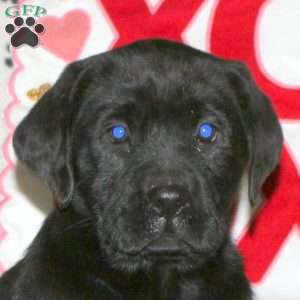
[166, 247]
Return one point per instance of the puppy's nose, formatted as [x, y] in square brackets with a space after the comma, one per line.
[168, 201]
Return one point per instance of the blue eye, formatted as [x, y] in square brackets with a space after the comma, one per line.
[119, 132]
[206, 132]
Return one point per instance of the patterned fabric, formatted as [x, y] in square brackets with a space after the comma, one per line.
[262, 33]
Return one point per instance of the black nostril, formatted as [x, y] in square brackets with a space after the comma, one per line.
[168, 200]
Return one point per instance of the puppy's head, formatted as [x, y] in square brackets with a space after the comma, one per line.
[151, 141]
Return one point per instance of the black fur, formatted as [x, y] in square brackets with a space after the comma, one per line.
[98, 243]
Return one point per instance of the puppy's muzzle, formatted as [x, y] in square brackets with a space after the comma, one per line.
[168, 205]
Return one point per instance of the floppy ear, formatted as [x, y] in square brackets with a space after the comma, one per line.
[41, 140]
[263, 130]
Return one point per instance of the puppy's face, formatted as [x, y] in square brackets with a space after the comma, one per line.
[158, 162]
[155, 142]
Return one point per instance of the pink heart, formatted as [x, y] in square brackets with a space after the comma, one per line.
[66, 36]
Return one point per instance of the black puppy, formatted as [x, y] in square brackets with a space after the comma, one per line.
[144, 148]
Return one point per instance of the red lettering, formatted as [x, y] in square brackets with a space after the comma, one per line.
[168, 22]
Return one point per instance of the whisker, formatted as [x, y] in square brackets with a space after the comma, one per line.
[80, 224]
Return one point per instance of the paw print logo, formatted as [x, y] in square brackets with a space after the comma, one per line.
[22, 34]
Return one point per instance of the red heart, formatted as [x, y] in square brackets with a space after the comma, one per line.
[66, 36]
